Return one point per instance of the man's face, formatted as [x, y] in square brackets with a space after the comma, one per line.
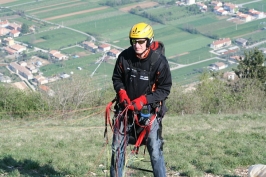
[139, 45]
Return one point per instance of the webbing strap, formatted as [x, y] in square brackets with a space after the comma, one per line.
[107, 118]
[145, 131]
[146, 128]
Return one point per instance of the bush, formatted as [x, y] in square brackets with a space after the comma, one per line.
[217, 96]
[17, 103]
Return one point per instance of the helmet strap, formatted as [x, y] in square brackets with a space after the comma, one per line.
[149, 42]
[144, 54]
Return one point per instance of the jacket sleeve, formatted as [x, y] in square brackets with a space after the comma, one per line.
[118, 75]
[164, 83]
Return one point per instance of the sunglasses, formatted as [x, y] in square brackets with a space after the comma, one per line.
[134, 41]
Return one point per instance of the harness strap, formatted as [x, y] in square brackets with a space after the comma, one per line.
[144, 132]
[107, 118]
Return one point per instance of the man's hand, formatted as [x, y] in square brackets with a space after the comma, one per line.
[123, 97]
[138, 103]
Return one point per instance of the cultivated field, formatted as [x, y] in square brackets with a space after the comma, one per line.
[6, 1]
[111, 25]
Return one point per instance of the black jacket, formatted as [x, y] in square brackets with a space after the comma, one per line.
[124, 76]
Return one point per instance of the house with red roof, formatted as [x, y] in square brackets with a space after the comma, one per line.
[221, 12]
[47, 90]
[8, 41]
[202, 6]
[105, 47]
[230, 7]
[4, 23]
[221, 43]
[57, 55]
[18, 48]
[90, 46]
[114, 53]
[244, 17]
[230, 76]
[40, 80]
[32, 68]
[14, 33]
[4, 31]
[15, 49]
[256, 14]
[14, 26]
[218, 66]
[217, 3]
[20, 70]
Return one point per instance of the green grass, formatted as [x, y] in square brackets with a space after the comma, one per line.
[191, 73]
[86, 17]
[55, 39]
[259, 36]
[101, 75]
[260, 6]
[193, 56]
[71, 65]
[66, 10]
[194, 145]
[232, 31]
[50, 7]
[104, 27]
[19, 4]
[187, 45]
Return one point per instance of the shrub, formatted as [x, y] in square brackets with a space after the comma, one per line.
[17, 103]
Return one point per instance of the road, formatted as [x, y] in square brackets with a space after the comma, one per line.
[182, 65]
[256, 44]
[240, 5]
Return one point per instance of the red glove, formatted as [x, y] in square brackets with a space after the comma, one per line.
[123, 98]
[138, 103]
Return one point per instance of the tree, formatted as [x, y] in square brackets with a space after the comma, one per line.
[252, 66]
[24, 28]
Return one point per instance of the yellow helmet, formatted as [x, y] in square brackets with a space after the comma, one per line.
[141, 30]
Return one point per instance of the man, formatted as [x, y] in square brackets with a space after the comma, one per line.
[142, 80]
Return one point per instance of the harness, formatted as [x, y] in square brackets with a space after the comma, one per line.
[121, 112]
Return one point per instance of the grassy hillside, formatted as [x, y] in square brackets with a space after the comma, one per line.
[194, 145]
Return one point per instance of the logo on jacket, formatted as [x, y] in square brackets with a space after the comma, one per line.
[145, 78]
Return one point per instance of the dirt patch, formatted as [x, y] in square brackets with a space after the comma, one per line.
[52, 9]
[38, 41]
[3, 64]
[6, 1]
[82, 54]
[11, 17]
[185, 53]
[76, 13]
[236, 20]
[142, 5]
[35, 59]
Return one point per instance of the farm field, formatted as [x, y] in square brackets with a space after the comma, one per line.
[54, 39]
[111, 25]
[192, 56]
[191, 73]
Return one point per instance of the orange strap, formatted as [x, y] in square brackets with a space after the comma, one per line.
[145, 131]
[107, 117]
